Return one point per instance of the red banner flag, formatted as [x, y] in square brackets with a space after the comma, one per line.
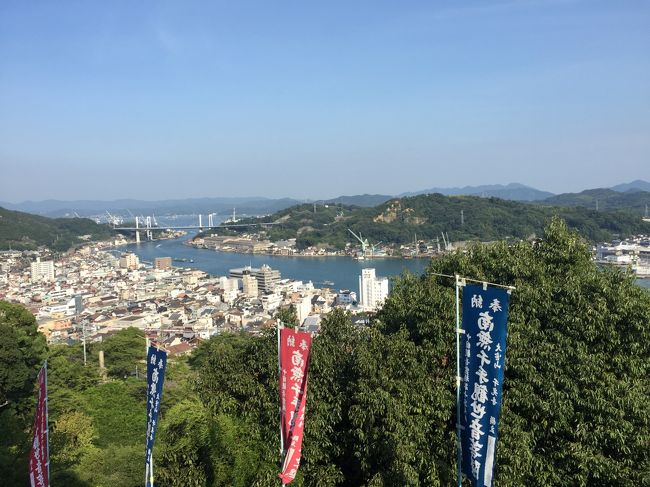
[295, 347]
[39, 458]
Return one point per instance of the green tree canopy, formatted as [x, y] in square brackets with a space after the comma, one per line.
[381, 400]
[22, 351]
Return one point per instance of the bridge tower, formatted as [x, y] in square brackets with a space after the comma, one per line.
[148, 225]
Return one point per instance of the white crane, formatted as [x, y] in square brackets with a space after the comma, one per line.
[113, 219]
[446, 241]
[364, 242]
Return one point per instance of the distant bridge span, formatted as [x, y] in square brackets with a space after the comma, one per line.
[194, 227]
[149, 226]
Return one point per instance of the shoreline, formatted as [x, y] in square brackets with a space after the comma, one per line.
[269, 254]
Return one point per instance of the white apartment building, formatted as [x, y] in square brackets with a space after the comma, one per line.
[303, 308]
[250, 287]
[373, 290]
[42, 271]
[129, 260]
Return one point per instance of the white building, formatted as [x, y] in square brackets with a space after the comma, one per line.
[271, 302]
[129, 260]
[42, 271]
[249, 284]
[303, 308]
[345, 297]
[267, 278]
[372, 290]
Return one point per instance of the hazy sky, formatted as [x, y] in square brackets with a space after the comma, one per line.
[110, 99]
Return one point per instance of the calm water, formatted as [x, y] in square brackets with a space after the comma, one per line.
[343, 271]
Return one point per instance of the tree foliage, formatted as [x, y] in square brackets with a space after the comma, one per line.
[123, 352]
[381, 398]
[22, 351]
[24, 231]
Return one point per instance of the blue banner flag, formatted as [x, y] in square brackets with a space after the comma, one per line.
[483, 352]
[156, 363]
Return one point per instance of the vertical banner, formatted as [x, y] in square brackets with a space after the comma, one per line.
[156, 363]
[295, 347]
[485, 314]
[39, 458]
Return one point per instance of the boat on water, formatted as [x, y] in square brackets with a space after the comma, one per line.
[183, 259]
[328, 283]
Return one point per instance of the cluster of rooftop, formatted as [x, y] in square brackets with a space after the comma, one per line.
[93, 293]
[633, 252]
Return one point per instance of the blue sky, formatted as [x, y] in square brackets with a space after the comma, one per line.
[315, 99]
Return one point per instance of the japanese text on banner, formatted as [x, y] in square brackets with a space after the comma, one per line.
[485, 316]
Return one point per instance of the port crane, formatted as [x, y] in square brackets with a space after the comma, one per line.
[446, 242]
[365, 244]
[363, 241]
[114, 219]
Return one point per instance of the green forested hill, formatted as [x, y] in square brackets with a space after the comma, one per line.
[399, 220]
[603, 198]
[24, 231]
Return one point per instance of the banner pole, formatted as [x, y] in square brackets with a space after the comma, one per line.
[47, 428]
[280, 407]
[279, 382]
[459, 458]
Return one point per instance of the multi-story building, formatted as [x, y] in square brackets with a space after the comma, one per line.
[372, 290]
[250, 287]
[267, 278]
[42, 271]
[129, 260]
[303, 308]
[162, 263]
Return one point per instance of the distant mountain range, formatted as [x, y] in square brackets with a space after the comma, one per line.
[512, 191]
[603, 199]
[244, 205]
[616, 197]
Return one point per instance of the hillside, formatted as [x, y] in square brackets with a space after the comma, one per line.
[24, 231]
[364, 200]
[512, 191]
[401, 219]
[632, 200]
[637, 185]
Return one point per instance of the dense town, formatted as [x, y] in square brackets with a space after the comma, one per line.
[96, 290]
